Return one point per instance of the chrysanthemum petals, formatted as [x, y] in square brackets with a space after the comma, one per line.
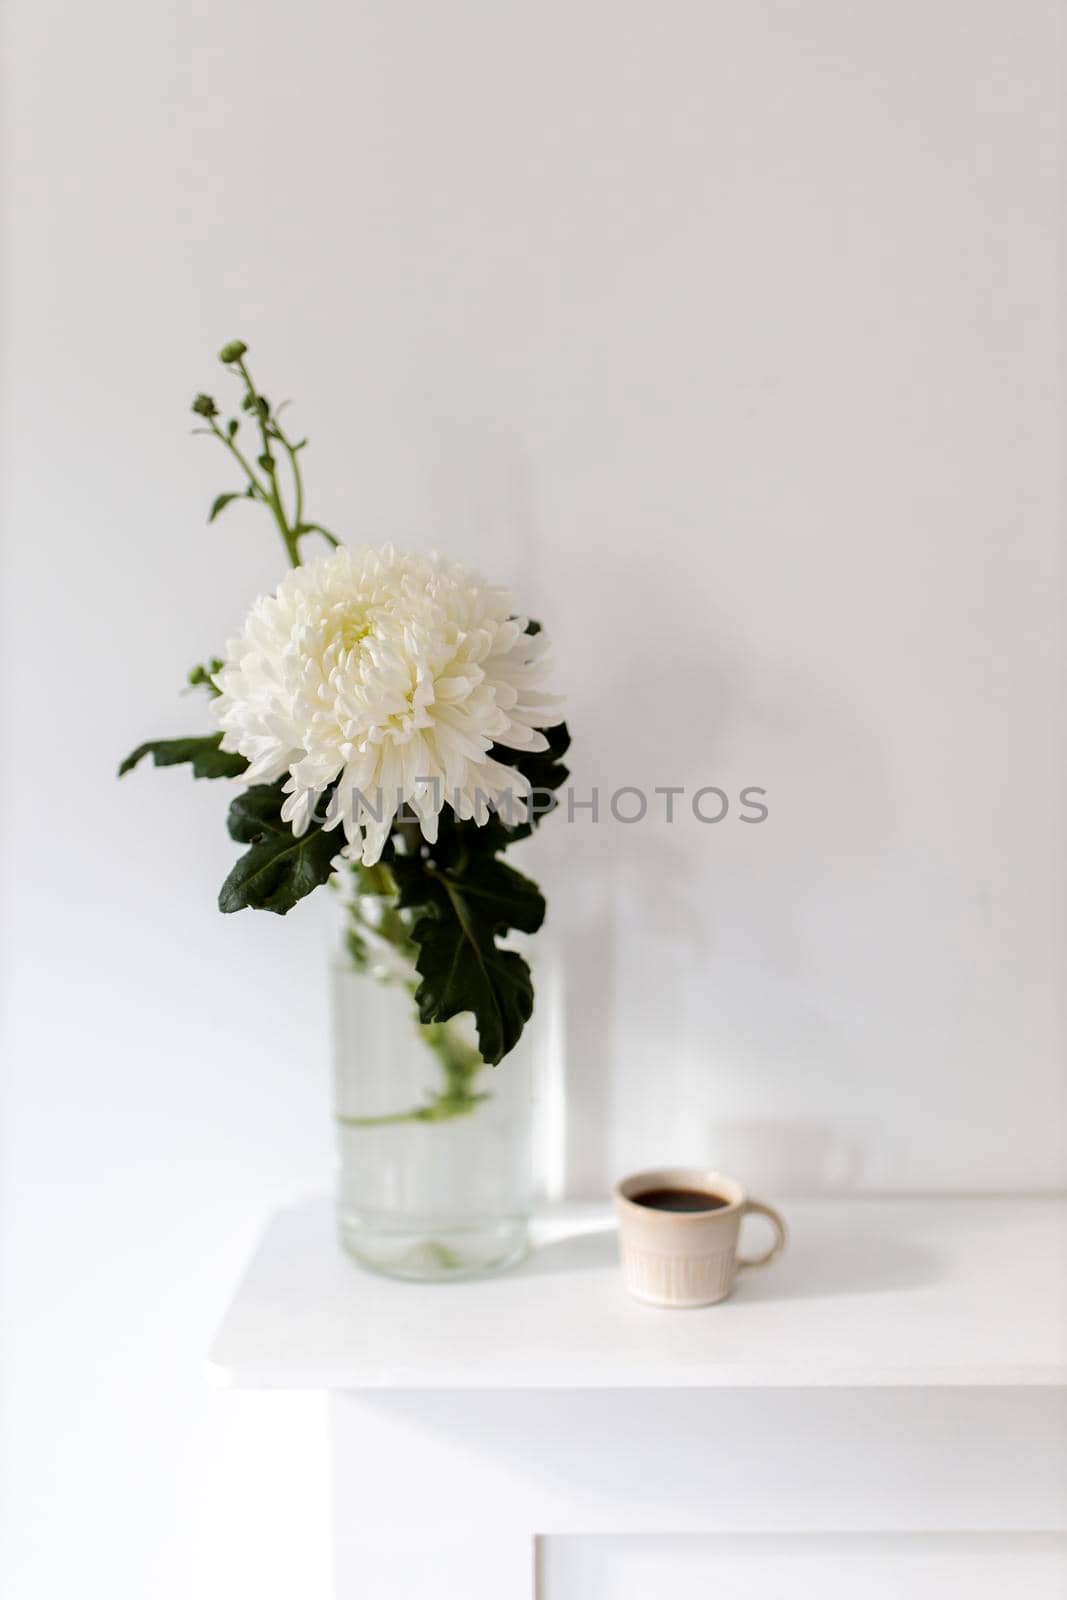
[389, 677]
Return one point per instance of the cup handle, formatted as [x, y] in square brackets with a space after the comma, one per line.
[781, 1234]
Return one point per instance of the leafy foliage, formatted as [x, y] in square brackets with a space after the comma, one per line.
[279, 869]
[465, 900]
[461, 916]
[203, 753]
[221, 501]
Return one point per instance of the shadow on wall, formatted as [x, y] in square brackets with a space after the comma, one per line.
[707, 1010]
[682, 1051]
[787, 1157]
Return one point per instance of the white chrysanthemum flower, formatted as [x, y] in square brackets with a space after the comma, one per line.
[392, 675]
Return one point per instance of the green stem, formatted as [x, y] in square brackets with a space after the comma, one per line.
[460, 1062]
[389, 1119]
[273, 496]
[298, 482]
[266, 489]
[457, 1098]
[237, 455]
[293, 452]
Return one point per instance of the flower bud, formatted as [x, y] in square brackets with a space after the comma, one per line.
[232, 351]
[204, 406]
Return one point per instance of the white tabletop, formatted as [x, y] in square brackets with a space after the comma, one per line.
[906, 1292]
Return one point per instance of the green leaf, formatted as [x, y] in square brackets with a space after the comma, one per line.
[467, 899]
[220, 502]
[279, 869]
[462, 971]
[256, 813]
[465, 974]
[203, 754]
[545, 773]
[459, 963]
[497, 895]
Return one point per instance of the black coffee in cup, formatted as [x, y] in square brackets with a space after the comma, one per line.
[679, 1200]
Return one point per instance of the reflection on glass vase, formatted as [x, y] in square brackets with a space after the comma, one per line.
[435, 1147]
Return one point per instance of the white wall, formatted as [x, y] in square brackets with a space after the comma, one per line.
[833, 1566]
[729, 334]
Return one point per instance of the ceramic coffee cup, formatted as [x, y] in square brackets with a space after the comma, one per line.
[686, 1257]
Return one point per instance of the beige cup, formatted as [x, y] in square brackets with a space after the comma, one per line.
[686, 1258]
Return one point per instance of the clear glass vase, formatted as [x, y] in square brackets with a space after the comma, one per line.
[435, 1147]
